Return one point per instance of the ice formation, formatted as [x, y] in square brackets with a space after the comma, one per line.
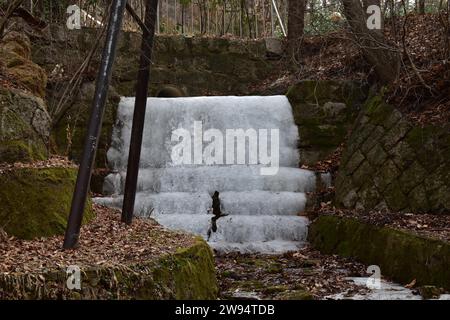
[262, 209]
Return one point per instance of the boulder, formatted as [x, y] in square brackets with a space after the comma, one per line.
[35, 202]
[24, 127]
[324, 112]
[15, 52]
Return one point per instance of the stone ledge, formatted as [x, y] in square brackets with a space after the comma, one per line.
[401, 256]
[188, 274]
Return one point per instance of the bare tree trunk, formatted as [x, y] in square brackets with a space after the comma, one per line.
[296, 26]
[421, 7]
[377, 52]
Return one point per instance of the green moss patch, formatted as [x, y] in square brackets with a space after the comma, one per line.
[35, 202]
[409, 164]
[401, 255]
[324, 112]
[24, 127]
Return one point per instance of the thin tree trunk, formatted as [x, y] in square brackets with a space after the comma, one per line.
[421, 7]
[296, 26]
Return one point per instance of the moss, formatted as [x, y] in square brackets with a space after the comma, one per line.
[36, 202]
[320, 92]
[19, 150]
[324, 111]
[430, 292]
[275, 289]
[379, 112]
[24, 127]
[406, 161]
[194, 273]
[29, 74]
[395, 197]
[401, 256]
[250, 285]
[187, 274]
[296, 295]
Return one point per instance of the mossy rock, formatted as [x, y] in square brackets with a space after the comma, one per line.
[320, 92]
[25, 127]
[36, 202]
[20, 150]
[401, 255]
[296, 295]
[324, 112]
[187, 274]
[15, 53]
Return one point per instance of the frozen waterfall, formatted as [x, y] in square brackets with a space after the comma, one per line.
[195, 146]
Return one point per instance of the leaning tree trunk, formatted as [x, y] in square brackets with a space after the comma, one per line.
[383, 58]
[296, 26]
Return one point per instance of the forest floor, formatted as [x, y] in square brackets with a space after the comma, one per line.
[422, 90]
[105, 241]
[309, 275]
[302, 275]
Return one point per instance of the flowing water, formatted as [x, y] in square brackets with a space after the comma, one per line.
[262, 208]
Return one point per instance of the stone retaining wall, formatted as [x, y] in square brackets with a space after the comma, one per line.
[400, 255]
[324, 112]
[389, 163]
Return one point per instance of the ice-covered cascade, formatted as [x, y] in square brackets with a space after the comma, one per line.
[262, 208]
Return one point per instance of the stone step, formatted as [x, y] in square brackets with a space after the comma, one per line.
[208, 179]
[240, 229]
[233, 203]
